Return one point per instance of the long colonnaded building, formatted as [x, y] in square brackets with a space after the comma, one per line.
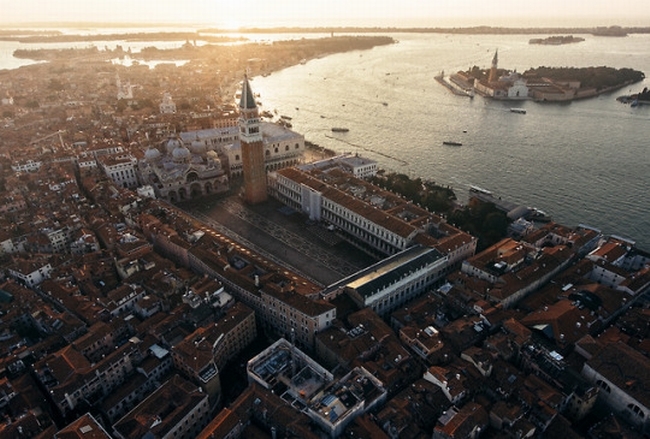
[389, 284]
[417, 247]
[376, 221]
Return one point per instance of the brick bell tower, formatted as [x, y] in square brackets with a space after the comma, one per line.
[252, 148]
[493, 69]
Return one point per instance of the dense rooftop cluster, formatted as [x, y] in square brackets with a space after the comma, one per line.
[123, 316]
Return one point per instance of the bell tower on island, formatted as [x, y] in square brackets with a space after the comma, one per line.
[252, 147]
[495, 65]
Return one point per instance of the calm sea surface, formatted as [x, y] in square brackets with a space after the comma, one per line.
[582, 162]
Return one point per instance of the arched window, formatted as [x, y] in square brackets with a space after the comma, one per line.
[636, 410]
[286, 147]
[603, 385]
[237, 157]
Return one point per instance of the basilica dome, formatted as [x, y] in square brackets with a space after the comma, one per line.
[152, 154]
[172, 144]
[198, 147]
[181, 154]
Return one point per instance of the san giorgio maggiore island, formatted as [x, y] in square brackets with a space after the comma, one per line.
[542, 84]
[175, 265]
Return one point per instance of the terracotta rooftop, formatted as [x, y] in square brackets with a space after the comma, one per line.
[626, 368]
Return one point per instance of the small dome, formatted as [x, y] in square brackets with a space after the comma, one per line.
[152, 154]
[181, 154]
[172, 144]
[198, 147]
[213, 155]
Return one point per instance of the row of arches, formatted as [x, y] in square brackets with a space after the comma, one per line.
[195, 190]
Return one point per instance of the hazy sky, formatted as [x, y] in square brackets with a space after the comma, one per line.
[267, 13]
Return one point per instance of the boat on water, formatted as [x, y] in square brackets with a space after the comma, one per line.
[340, 130]
[285, 123]
[479, 190]
[535, 214]
[285, 117]
[451, 143]
[517, 110]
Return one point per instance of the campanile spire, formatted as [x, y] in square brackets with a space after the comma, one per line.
[252, 147]
[495, 65]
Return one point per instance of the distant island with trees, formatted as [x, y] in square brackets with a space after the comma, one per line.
[57, 37]
[556, 40]
[219, 65]
[266, 57]
[550, 83]
[607, 31]
[600, 78]
[50, 35]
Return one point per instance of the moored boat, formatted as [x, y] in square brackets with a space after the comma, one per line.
[451, 143]
[517, 110]
[538, 215]
[340, 130]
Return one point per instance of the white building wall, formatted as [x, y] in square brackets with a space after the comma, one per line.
[311, 203]
[395, 295]
[619, 400]
[519, 90]
[34, 278]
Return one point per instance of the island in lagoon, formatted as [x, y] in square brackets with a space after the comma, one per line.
[544, 84]
[556, 40]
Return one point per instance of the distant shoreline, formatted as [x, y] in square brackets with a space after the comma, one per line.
[467, 30]
[18, 29]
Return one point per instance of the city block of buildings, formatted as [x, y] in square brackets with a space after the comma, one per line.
[122, 314]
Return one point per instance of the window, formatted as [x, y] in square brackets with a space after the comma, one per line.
[636, 409]
[603, 385]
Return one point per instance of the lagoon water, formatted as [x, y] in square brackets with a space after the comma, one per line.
[584, 162]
